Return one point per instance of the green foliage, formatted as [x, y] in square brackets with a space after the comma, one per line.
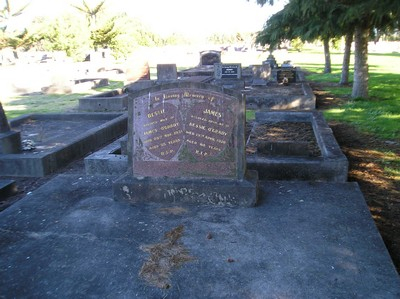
[297, 44]
[380, 115]
[60, 35]
[105, 36]
[23, 40]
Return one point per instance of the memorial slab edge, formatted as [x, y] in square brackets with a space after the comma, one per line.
[216, 192]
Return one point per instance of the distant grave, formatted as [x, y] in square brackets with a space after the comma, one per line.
[186, 143]
[228, 75]
[260, 74]
[137, 70]
[166, 73]
[287, 74]
[209, 57]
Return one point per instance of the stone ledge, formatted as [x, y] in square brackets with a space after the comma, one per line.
[218, 192]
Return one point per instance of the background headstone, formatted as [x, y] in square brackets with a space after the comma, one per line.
[228, 75]
[209, 57]
[261, 74]
[289, 73]
[227, 71]
[166, 72]
[137, 70]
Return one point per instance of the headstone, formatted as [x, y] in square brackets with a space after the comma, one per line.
[261, 74]
[271, 61]
[10, 141]
[286, 75]
[137, 70]
[166, 73]
[186, 143]
[209, 57]
[228, 75]
[228, 71]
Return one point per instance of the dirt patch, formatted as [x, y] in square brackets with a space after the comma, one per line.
[284, 133]
[164, 257]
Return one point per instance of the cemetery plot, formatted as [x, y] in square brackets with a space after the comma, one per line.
[50, 141]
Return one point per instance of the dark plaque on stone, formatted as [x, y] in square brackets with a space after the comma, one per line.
[186, 139]
[288, 73]
[228, 71]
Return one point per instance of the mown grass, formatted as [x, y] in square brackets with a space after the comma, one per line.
[40, 103]
[378, 115]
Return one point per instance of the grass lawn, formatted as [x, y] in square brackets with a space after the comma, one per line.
[379, 115]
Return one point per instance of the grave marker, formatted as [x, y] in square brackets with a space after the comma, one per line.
[228, 75]
[209, 57]
[186, 143]
[166, 72]
[228, 71]
[260, 74]
[286, 74]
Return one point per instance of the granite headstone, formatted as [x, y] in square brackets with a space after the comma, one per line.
[186, 143]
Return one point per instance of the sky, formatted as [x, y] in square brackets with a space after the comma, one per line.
[200, 17]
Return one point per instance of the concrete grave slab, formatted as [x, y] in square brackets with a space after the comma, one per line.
[303, 240]
[59, 139]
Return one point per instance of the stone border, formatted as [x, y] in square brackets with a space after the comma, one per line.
[41, 164]
[332, 166]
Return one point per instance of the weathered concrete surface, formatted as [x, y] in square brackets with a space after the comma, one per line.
[61, 138]
[215, 191]
[69, 239]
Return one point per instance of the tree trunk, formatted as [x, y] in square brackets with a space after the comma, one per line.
[328, 68]
[4, 126]
[360, 85]
[344, 78]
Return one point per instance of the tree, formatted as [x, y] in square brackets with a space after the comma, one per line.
[362, 15]
[307, 20]
[61, 35]
[91, 12]
[344, 77]
[8, 13]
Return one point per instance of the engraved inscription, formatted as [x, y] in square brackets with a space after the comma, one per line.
[208, 129]
[182, 126]
[161, 130]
